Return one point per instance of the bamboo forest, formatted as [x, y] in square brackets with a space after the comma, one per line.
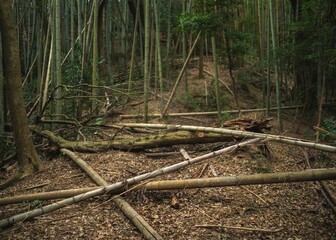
[168, 119]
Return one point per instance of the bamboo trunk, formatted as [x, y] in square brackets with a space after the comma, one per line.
[129, 116]
[240, 180]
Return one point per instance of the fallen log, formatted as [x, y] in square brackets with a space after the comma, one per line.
[135, 144]
[239, 133]
[118, 185]
[240, 180]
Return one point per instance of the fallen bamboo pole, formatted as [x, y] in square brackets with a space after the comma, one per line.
[269, 137]
[240, 180]
[147, 230]
[240, 228]
[267, 178]
[118, 185]
[129, 116]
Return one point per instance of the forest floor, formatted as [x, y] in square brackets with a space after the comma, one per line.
[288, 210]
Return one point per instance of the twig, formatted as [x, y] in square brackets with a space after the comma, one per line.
[37, 186]
[213, 170]
[254, 194]
[241, 228]
[201, 173]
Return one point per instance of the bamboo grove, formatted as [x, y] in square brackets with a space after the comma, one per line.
[75, 54]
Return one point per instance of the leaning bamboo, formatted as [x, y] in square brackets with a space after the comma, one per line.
[269, 137]
[172, 94]
[118, 185]
[240, 180]
[147, 230]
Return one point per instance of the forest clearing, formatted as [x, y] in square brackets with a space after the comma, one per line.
[153, 120]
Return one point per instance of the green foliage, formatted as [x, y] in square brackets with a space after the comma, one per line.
[33, 204]
[329, 124]
[262, 164]
[225, 116]
[100, 121]
[196, 22]
[196, 102]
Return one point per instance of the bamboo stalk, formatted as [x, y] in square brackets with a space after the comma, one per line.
[268, 178]
[128, 116]
[45, 195]
[118, 185]
[240, 180]
[269, 137]
[164, 112]
[141, 224]
[240, 228]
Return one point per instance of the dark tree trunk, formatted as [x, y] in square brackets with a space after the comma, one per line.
[29, 161]
[305, 70]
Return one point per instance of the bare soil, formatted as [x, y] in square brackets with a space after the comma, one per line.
[291, 210]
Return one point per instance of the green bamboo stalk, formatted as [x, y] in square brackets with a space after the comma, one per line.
[95, 75]
[58, 55]
[146, 62]
[276, 67]
[158, 45]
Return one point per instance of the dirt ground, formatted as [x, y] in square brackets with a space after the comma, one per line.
[287, 211]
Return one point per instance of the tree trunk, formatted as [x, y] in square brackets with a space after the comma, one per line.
[28, 159]
[2, 93]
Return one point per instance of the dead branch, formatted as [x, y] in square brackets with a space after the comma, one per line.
[118, 185]
[248, 124]
[270, 137]
[254, 194]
